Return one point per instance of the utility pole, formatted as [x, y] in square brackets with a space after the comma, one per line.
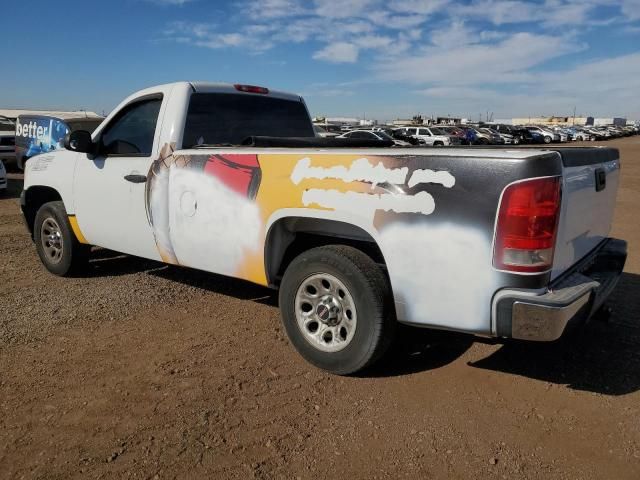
[574, 115]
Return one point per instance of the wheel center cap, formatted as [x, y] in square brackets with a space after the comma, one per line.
[328, 310]
[54, 239]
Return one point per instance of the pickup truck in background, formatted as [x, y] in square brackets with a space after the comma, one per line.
[230, 179]
[41, 133]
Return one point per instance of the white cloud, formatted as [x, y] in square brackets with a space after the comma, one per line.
[501, 12]
[466, 64]
[328, 92]
[553, 93]
[455, 34]
[344, 8]
[422, 7]
[341, 52]
[373, 41]
[631, 9]
[451, 51]
[270, 9]
[207, 36]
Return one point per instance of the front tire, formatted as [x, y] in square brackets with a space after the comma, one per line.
[337, 308]
[547, 139]
[57, 246]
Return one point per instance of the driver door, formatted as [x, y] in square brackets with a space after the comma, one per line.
[109, 187]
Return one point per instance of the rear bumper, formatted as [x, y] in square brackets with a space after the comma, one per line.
[543, 316]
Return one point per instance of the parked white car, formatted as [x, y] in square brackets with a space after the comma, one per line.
[509, 139]
[430, 135]
[322, 132]
[548, 135]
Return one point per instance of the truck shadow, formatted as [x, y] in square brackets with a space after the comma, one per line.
[107, 263]
[420, 349]
[600, 357]
[14, 187]
[597, 357]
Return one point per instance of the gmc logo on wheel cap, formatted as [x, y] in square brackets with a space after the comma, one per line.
[323, 312]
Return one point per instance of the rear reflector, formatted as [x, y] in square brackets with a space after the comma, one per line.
[251, 89]
[527, 225]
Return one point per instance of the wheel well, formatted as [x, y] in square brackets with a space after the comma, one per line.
[289, 237]
[34, 198]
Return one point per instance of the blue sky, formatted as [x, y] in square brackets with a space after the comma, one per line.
[376, 58]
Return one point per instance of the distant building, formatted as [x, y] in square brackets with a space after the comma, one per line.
[544, 121]
[618, 121]
[345, 121]
[15, 113]
[449, 121]
[404, 121]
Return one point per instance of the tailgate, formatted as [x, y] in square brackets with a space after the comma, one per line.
[589, 188]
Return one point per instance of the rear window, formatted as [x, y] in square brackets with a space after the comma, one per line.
[223, 118]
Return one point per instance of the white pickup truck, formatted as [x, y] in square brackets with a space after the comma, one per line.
[509, 243]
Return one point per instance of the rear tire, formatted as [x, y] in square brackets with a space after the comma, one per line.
[360, 324]
[57, 245]
[438, 144]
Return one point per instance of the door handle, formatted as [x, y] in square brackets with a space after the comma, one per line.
[601, 179]
[135, 178]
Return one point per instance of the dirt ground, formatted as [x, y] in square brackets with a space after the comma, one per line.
[146, 371]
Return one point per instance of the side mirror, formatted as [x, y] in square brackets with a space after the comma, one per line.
[79, 141]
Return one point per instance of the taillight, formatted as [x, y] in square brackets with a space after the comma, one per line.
[527, 225]
[251, 89]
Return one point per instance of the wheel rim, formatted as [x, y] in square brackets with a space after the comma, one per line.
[325, 312]
[51, 240]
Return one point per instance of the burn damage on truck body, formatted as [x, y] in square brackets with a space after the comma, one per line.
[431, 216]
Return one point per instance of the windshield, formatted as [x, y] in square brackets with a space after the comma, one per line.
[437, 131]
[384, 135]
[224, 118]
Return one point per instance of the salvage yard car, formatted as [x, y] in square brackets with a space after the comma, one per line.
[3, 178]
[371, 135]
[229, 179]
[432, 136]
[7, 140]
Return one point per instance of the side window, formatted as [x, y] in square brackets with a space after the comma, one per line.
[132, 131]
[412, 131]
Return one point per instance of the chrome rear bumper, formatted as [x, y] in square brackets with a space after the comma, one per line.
[528, 315]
